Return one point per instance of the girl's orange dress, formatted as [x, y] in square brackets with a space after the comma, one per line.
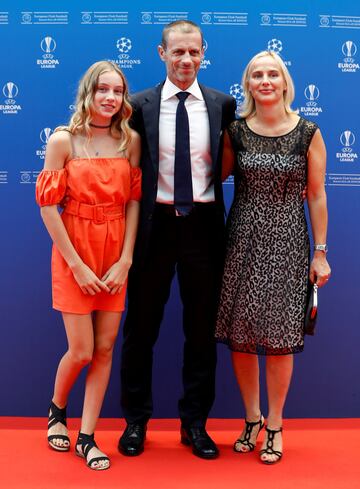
[96, 191]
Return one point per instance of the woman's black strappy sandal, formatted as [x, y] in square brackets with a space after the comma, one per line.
[57, 415]
[86, 443]
[245, 441]
[269, 450]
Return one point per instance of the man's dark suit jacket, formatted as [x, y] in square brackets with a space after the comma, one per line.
[145, 120]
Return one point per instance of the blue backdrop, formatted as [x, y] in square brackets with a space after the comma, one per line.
[44, 53]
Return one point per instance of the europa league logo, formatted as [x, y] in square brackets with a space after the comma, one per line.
[349, 49]
[48, 44]
[312, 92]
[45, 134]
[347, 138]
[10, 91]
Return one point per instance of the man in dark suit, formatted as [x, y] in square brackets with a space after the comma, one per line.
[181, 229]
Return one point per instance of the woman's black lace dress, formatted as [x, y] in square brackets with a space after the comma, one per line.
[263, 296]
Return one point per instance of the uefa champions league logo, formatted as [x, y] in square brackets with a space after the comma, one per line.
[10, 91]
[236, 90]
[124, 45]
[275, 45]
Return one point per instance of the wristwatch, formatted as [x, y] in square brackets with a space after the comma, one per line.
[321, 247]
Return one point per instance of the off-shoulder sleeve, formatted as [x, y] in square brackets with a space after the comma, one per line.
[135, 183]
[50, 187]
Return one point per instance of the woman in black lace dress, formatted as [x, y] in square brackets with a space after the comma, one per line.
[274, 154]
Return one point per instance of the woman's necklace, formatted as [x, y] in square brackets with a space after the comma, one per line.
[88, 144]
[93, 147]
[95, 150]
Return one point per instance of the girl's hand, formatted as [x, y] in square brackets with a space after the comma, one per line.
[115, 278]
[88, 282]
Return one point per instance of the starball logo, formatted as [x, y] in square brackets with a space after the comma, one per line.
[236, 90]
[311, 107]
[349, 64]
[347, 154]
[10, 91]
[48, 59]
[124, 45]
[276, 45]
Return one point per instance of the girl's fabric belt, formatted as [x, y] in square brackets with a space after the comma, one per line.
[97, 212]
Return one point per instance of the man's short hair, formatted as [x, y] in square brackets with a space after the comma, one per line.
[185, 26]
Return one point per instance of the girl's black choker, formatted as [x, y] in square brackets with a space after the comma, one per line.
[99, 127]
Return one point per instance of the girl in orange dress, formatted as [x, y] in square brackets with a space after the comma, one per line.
[92, 168]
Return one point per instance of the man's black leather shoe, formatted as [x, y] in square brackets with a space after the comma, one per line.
[132, 440]
[201, 443]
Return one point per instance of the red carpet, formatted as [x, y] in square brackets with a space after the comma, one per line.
[319, 454]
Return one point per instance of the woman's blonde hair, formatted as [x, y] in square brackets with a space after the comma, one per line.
[81, 119]
[248, 107]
